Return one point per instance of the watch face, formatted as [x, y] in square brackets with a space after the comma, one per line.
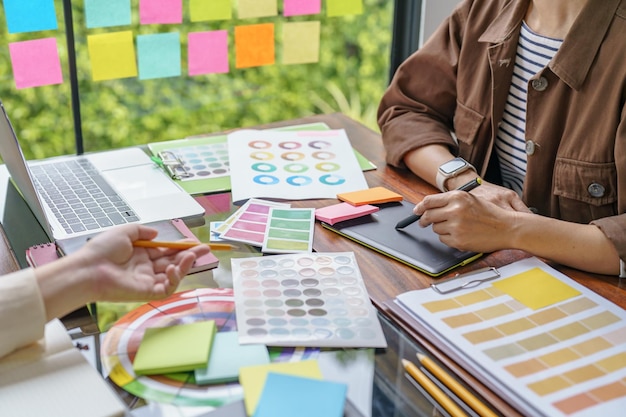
[452, 166]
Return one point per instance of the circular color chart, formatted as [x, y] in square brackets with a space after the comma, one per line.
[265, 179]
[330, 179]
[121, 342]
[299, 180]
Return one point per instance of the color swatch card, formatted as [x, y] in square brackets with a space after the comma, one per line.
[292, 165]
[313, 299]
[249, 223]
[550, 346]
[289, 230]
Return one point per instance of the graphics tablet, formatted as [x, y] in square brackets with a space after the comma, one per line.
[414, 245]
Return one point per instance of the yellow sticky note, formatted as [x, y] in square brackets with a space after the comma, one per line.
[112, 55]
[336, 8]
[536, 288]
[252, 378]
[301, 42]
[205, 10]
[249, 9]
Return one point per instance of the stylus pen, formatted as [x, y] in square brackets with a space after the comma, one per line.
[179, 245]
[414, 217]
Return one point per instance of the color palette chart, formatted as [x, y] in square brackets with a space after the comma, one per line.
[314, 300]
[121, 342]
[292, 165]
[553, 346]
[202, 161]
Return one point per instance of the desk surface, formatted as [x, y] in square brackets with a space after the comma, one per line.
[384, 277]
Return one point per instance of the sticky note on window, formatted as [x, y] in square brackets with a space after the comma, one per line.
[536, 288]
[248, 9]
[178, 348]
[158, 55]
[206, 10]
[376, 195]
[99, 13]
[112, 55]
[289, 395]
[301, 7]
[252, 378]
[160, 12]
[343, 7]
[254, 45]
[301, 42]
[30, 16]
[207, 52]
[35, 63]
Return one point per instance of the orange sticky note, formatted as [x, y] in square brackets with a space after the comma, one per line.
[376, 195]
[254, 45]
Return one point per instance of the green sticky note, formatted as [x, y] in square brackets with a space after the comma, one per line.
[227, 356]
[179, 348]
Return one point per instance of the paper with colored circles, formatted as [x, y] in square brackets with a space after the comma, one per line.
[306, 299]
[292, 165]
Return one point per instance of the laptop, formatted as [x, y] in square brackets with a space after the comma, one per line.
[128, 187]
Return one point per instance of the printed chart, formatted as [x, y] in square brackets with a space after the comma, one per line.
[555, 347]
[295, 165]
[121, 342]
[314, 299]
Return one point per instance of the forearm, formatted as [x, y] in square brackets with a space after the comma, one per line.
[581, 246]
[65, 285]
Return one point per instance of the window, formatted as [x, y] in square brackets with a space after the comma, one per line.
[144, 75]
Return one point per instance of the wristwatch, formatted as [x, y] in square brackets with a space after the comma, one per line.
[451, 169]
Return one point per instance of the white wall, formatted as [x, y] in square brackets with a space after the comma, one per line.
[433, 13]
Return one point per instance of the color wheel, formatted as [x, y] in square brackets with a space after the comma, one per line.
[121, 342]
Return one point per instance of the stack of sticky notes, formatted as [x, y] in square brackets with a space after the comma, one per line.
[287, 389]
[375, 195]
[227, 357]
[179, 348]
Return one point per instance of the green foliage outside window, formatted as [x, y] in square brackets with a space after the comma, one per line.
[350, 77]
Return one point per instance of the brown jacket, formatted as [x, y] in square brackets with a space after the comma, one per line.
[576, 119]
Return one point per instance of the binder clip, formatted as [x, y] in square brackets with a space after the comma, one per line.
[173, 165]
[464, 281]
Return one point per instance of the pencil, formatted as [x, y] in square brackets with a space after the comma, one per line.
[432, 389]
[414, 217]
[179, 245]
[460, 391]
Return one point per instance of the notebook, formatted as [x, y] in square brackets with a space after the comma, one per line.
[146, 193]
[415, 246]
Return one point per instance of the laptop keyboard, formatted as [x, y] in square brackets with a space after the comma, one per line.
[79, 197]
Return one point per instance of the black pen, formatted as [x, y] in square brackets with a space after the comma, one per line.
[414, 217]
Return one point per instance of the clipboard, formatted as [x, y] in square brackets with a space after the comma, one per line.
[414, 246]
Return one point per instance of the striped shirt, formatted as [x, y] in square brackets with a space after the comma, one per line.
[534, 52]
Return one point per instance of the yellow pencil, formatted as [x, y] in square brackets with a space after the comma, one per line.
[455, 387]
[430, 387]
[179, 245]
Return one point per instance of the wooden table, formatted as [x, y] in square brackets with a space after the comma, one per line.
[385, 277]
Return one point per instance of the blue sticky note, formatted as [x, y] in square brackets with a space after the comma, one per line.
[30, 15]
[159, 55]
[287, 396]
[107, 13]
[227, 356]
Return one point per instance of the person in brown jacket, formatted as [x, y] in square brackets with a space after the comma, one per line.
[528, 95]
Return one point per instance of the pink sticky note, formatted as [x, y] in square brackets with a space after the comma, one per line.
[208, 52]
[36, 63]
[160, 11]
[302, 7]
[343, 211]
